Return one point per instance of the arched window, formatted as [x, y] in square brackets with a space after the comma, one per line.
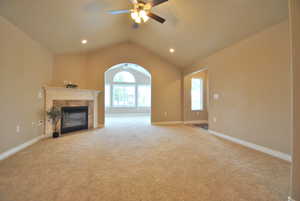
[128, 88]
[124, 76]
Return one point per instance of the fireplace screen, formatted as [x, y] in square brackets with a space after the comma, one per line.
[74, 118]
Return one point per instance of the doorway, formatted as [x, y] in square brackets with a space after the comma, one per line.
[196, 99]
[127, 94]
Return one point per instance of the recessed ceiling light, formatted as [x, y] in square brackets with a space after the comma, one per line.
[84, 41]
[171, 50]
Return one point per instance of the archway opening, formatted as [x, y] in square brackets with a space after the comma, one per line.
[127, 94]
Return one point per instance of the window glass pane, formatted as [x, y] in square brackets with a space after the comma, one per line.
[197, 94]
[123, 96]
[107, 95]
[124, 76]
[144, 96]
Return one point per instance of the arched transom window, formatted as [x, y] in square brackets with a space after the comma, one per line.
[124, 76]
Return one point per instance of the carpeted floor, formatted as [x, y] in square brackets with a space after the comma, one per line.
[130, 162]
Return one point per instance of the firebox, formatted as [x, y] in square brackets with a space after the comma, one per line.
[74, 118]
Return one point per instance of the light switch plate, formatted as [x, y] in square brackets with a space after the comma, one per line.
[214, 119]
[18, 128]
[216, 96]
[40, 95]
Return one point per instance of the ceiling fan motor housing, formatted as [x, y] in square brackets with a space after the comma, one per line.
[142, 6]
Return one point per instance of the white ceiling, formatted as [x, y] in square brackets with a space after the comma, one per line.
[194, 28]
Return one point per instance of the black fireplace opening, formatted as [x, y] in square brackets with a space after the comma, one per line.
[74, 118]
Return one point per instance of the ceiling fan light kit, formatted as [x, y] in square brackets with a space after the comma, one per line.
[139, 15]
[141, 11]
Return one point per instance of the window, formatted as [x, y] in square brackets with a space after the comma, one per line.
[123, 95]
[197, 94]
[144, 96]
[128, 89]
[124, 76]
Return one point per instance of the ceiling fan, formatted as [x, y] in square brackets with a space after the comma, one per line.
[141, 11]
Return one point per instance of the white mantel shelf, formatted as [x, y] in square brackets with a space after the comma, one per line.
[61, 93]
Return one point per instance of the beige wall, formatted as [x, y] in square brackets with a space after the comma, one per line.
[190, 115]
[24, 67]
[166, 78]
[70, 68]
[253, 80]
[295, 25]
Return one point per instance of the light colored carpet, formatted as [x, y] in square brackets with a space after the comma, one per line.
[139, 162]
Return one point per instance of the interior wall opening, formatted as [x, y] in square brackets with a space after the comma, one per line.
[127, 94]
[196, 99]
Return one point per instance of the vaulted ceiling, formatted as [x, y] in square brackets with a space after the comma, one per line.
[194, 28]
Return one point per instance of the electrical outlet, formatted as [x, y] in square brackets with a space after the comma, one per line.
[18, 128]
[41, 122]
[33, 124]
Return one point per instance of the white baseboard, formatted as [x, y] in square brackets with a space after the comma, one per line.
[16, 149]
[290, 199]
[256, 147]
[166, 122]
[196, 122]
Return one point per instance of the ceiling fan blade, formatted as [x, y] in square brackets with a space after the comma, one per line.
[135, 25]
[117, 12]
[157, 2]
[156, 17]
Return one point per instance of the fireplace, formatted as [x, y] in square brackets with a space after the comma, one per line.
[74, 118]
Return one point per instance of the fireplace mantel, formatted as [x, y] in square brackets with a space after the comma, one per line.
[61, 93]
[67, 94]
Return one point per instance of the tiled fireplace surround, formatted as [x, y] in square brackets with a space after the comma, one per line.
[63, 97]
